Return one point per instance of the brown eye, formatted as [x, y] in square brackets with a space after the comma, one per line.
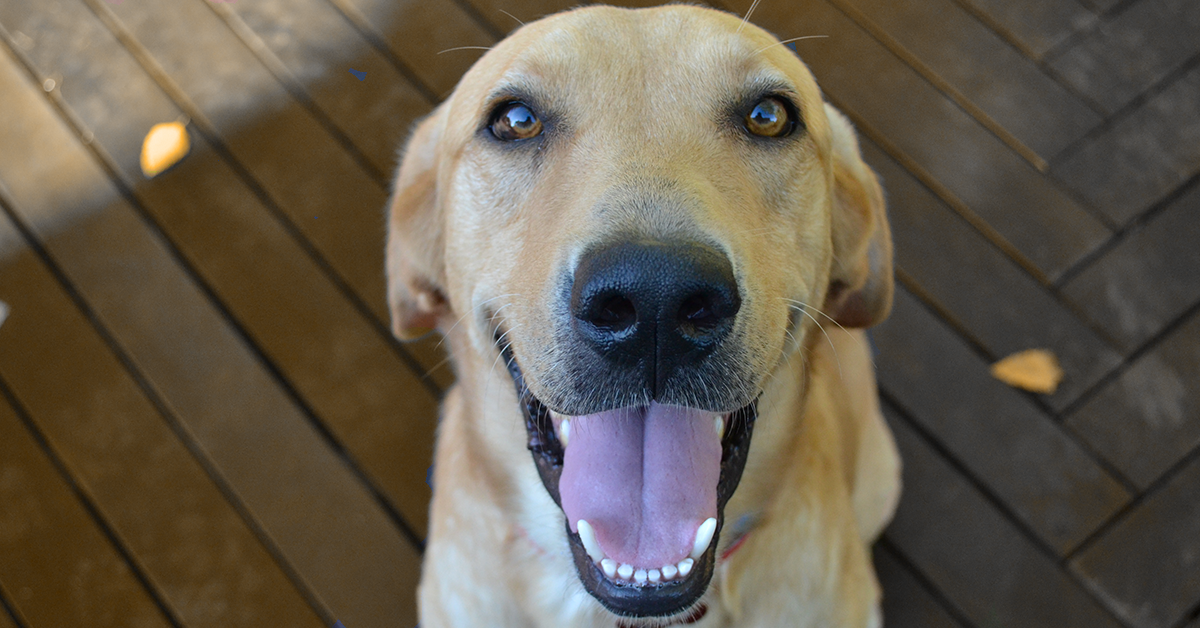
[515, 121]
[769, 118]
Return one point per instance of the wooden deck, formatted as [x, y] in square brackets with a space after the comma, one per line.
[204, 420]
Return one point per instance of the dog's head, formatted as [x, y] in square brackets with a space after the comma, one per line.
[642, 212]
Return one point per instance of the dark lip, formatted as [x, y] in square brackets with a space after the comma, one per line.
[678, 597]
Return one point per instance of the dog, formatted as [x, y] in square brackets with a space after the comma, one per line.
[652, 249]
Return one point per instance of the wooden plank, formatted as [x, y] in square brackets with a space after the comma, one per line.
[289, 480]
[1147, 567]
[1148, 279]
[58, 565]
[326, 523]
[1128, 54]
[192, 541]
[1008, 311]
[226, 84]
[973, 554]
[1148, 419]
[210, 565]
[1035, 26]
[367, 395]
[906, 603]
[1047, 479]
[1143, 157]
[307, 38]
[311, 49]
[6, 620]
[417, 33]
[891, 100]
[318, 178]
[530, 10]
[977, 63]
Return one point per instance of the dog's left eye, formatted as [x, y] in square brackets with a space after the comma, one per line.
[769, 118]
[515, 121]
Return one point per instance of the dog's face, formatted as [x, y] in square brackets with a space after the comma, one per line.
[642, 213]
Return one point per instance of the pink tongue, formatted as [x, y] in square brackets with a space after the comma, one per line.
[644, 478]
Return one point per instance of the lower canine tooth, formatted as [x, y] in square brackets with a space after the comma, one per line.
[669, 572]
[564, 432]
[704, 536]
[609, 566]
[639, 576]
[654, 575]
[625, 571]
[685, 567]
[588, 537]
[719, 423]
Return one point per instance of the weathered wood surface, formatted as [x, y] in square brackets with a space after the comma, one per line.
[203, 412]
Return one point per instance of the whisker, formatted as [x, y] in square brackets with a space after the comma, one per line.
[831, 319]
[753, 5]
[803, 310]
[499, 354]
[467, 48]
[471, 311]
[512, 16]
[788, 41]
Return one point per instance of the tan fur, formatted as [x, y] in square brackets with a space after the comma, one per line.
[478, 235]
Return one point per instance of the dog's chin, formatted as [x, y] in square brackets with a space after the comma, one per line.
[675, 599]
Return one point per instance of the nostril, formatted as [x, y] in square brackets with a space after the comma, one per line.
[696, 314]
[615, 314]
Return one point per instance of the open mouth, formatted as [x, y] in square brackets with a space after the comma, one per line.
[643, 490]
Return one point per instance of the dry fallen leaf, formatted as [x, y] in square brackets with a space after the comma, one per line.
[163, 147]
[1035, 370]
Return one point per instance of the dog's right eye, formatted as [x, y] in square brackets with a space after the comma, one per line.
[515, 121]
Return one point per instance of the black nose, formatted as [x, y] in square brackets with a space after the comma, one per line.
[654, 307]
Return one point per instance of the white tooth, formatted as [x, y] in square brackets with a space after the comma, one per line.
[588, 536]
[654, 575]
[639, 576]
[564, 432]
[704, 535]
[669, 572]
[625, 571]
[685, 567]
[609, 566]
[719, 422]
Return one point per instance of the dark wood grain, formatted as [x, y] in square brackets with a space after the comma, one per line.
[1045, 476]
[1143, 156]
[1125, 55]
[1035, 26]
[1148, 279]
[906, 603]
[976, 556]
[58, 566]
[6, 620]
[243, 420]
[1148, 419]
[973, 60]
[1147, 567]
[1010, 311]
[421, 34]
[278, 292]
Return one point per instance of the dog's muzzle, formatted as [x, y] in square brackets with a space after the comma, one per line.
[643, 485]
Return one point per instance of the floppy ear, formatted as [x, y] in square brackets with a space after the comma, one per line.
[415, 266]
[860, 282]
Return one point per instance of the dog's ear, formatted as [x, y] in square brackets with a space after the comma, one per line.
[415, 261]
[860, 282]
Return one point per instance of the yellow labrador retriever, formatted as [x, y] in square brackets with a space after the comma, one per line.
[631, 226]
